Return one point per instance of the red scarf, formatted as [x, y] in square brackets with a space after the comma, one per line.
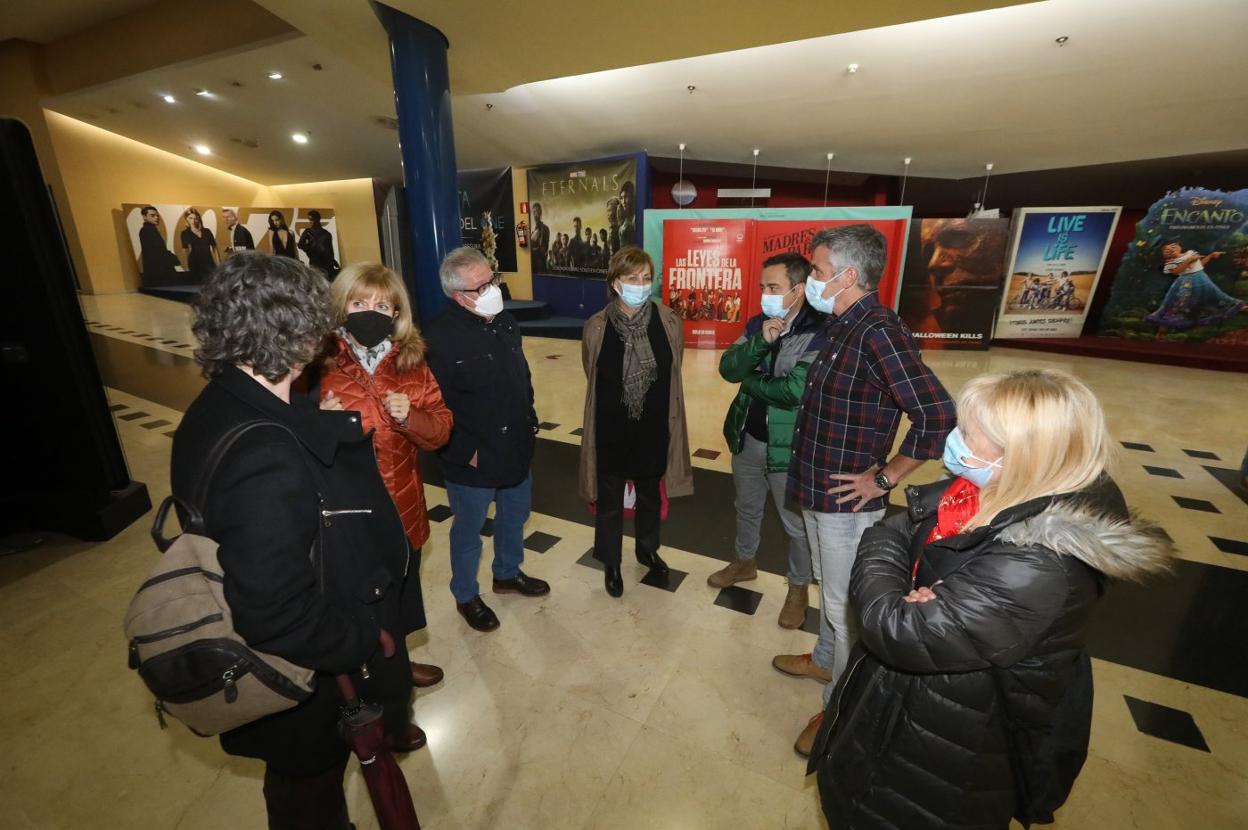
[958, 505]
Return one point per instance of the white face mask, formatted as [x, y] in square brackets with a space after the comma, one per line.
[814, 292]
[773, 304]
[489, 302]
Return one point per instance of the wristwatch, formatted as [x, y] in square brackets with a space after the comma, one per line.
[883, 483]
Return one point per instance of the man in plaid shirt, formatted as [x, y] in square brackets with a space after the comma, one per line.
[867, 375]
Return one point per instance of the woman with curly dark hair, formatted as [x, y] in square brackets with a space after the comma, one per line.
[311, 546]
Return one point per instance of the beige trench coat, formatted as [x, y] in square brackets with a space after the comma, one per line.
[679, 474]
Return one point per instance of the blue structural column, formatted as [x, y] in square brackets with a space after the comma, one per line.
[422, 95]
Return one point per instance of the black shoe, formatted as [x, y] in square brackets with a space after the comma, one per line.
[613, 581]
[658, 568]
[477, 614]
[525, 586]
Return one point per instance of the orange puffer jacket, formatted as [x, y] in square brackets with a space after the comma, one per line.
[428, 423]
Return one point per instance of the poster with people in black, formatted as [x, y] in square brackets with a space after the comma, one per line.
[179, 245]
[581, 215]
[486, 215]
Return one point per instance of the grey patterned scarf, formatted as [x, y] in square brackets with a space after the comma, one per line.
[640, 369]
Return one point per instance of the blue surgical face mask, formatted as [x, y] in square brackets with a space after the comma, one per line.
[773, 304]
[814, 292]
[634, 296]
[956, 454]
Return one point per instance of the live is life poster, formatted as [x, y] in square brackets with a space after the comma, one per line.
[707, 279]
[1056, 260]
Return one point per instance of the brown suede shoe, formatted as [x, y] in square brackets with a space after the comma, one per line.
[412, 741]
[738, 570]
[793, 614]
[424, 675]
[806, 741]
[800, 665]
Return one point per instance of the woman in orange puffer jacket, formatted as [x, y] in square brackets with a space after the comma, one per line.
[375, 366]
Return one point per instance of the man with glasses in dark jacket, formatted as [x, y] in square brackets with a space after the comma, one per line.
[475, 353]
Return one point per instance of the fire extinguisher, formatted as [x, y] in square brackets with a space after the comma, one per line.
[522, 234]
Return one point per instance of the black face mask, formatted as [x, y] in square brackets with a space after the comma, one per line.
[369, 327]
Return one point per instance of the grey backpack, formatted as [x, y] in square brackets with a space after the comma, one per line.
[181, 633]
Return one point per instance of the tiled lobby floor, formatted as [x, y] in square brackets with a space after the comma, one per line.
[659, 710]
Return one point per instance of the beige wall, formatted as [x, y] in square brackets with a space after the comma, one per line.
[102, 170]
[521, 282]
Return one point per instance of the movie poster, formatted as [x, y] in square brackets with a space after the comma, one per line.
[775, 236]
[1058, 254]
[951, 287]
[581, 214]
[1184, 277]
[486, 220]
[708, 279]
[180, 245]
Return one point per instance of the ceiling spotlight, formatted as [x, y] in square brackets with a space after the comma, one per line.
[169, 99]
[988, 167]
[682, 146]
[299, 138]
[1061, 41]
[202, 93]
[907, 161]
[852, 68]
[203, 149]
[691, 88]
[488, 105]
[831, 156]
[755, 152]
[275, 76]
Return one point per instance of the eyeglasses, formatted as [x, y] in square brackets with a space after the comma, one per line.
[494, 280]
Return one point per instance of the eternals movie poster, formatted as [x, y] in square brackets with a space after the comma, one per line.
[581, 214]
[952, 282]
[1058, 255]
[1184, 277]
[179, 245]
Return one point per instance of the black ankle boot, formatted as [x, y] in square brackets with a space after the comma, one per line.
[655, 563]
[613, 580]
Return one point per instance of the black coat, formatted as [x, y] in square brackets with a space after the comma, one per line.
[485, 380]
[265, 508]
[915, 734]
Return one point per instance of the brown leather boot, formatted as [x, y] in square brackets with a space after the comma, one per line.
[800, 665]
[738, 570]
[806, 741]
[793, 614]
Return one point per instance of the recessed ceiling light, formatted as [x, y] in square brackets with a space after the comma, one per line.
[1061, 41]
[275, 76]
[299, 138]
[169, 99]
[852, 68]
[203, 93]
[203, 149]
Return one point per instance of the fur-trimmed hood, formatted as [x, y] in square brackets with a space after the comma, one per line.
[1119, 548]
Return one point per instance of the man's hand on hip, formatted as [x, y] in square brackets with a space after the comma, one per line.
[860, 487]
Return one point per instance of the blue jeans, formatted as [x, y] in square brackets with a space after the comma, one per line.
[470, 505]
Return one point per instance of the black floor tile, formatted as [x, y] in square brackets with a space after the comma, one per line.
[539, 542]
[1163, 471]
[1202, 454]
[587, 559]
[117, 406]
[487, 527]
[1230, 479]
[1230, 545]
[547, 425]
[578, 431]
[1195, 504]
[739, 599]
[156, 424]
[708, 454]
[1166, 723]
[811, 624]
[439, 513]
[133, 416]
[1132, 445]
[668, 583]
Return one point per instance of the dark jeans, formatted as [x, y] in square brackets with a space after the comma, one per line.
[609, 521]
[313, 802]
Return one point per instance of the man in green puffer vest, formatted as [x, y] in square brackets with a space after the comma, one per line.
[770, 362]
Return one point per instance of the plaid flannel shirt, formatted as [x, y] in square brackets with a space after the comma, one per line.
[868, 373]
